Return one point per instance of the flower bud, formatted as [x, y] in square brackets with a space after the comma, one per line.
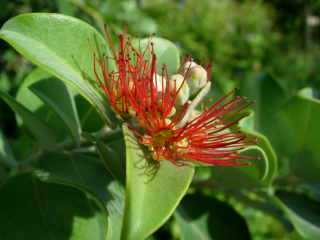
[196, 76]
[158, 81]
[188, 65]
[176, 80]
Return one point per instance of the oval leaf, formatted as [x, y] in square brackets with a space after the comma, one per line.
[167, 53]
[88, 174]
[150, 200]
[38, 128]
[212, 219]
[6, 154]
[62, 45]
[262, 171]
[41, 110]
[303, 212]
[299, 120]
[40, 211]
[269, 157]
[56, 95]
[28, 98]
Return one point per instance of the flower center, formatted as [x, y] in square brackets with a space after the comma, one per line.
[161, 138]
[162, 146]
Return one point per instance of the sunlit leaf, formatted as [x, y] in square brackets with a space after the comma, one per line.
[35, 104]
[56, 95]
[62, 45]
[152, 197]
[167, 53]
[262, 170]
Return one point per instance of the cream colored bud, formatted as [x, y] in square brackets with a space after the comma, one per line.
[196, 76]
[176, 81]
[188, 65]
[160, 82]
[173, 112]
[194, 114]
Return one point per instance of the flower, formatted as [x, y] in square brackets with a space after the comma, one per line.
[161, 109]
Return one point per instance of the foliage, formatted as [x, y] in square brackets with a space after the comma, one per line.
[69, 171]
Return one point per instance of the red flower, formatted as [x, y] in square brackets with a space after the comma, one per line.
[147, 102]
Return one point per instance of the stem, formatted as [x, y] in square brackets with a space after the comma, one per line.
[264, 206]
[105, 134]
[6, 155]
[204, 91]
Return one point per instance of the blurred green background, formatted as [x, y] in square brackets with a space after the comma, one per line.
[269, 49]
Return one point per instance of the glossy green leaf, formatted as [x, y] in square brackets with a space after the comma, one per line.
[24, 147]
[33, 210]
[45, 136]
[151, 197]
[204, 217]
[289, 122]
[306, 92]
[26, 97]
[298, 143]
[260, 173]
[167, 53]
[56, 95]
[89, 118]
[88, 174]
[303, 212]
[269, 156]
[268, 99]
[113, 157]
[41, 110]
[62, 45]
[6, 154]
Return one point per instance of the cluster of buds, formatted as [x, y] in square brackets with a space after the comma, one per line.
[161, 109]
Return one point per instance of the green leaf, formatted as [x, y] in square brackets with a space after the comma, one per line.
[260, 173]
[56, 95]
[203, 217]
[298, 146]
[88, 174]
[269, 156]
[42, 111]
[290, 123]
[113, 157]
[150, 200]
[167, 53]
[306, 92]
[33, 210]
[26, 97]
[268, 99]
[6, 154]
[62, 45]
[303, 212]
[38, 128]
[89, 118]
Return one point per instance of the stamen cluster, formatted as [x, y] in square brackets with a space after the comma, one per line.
[161, 109]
